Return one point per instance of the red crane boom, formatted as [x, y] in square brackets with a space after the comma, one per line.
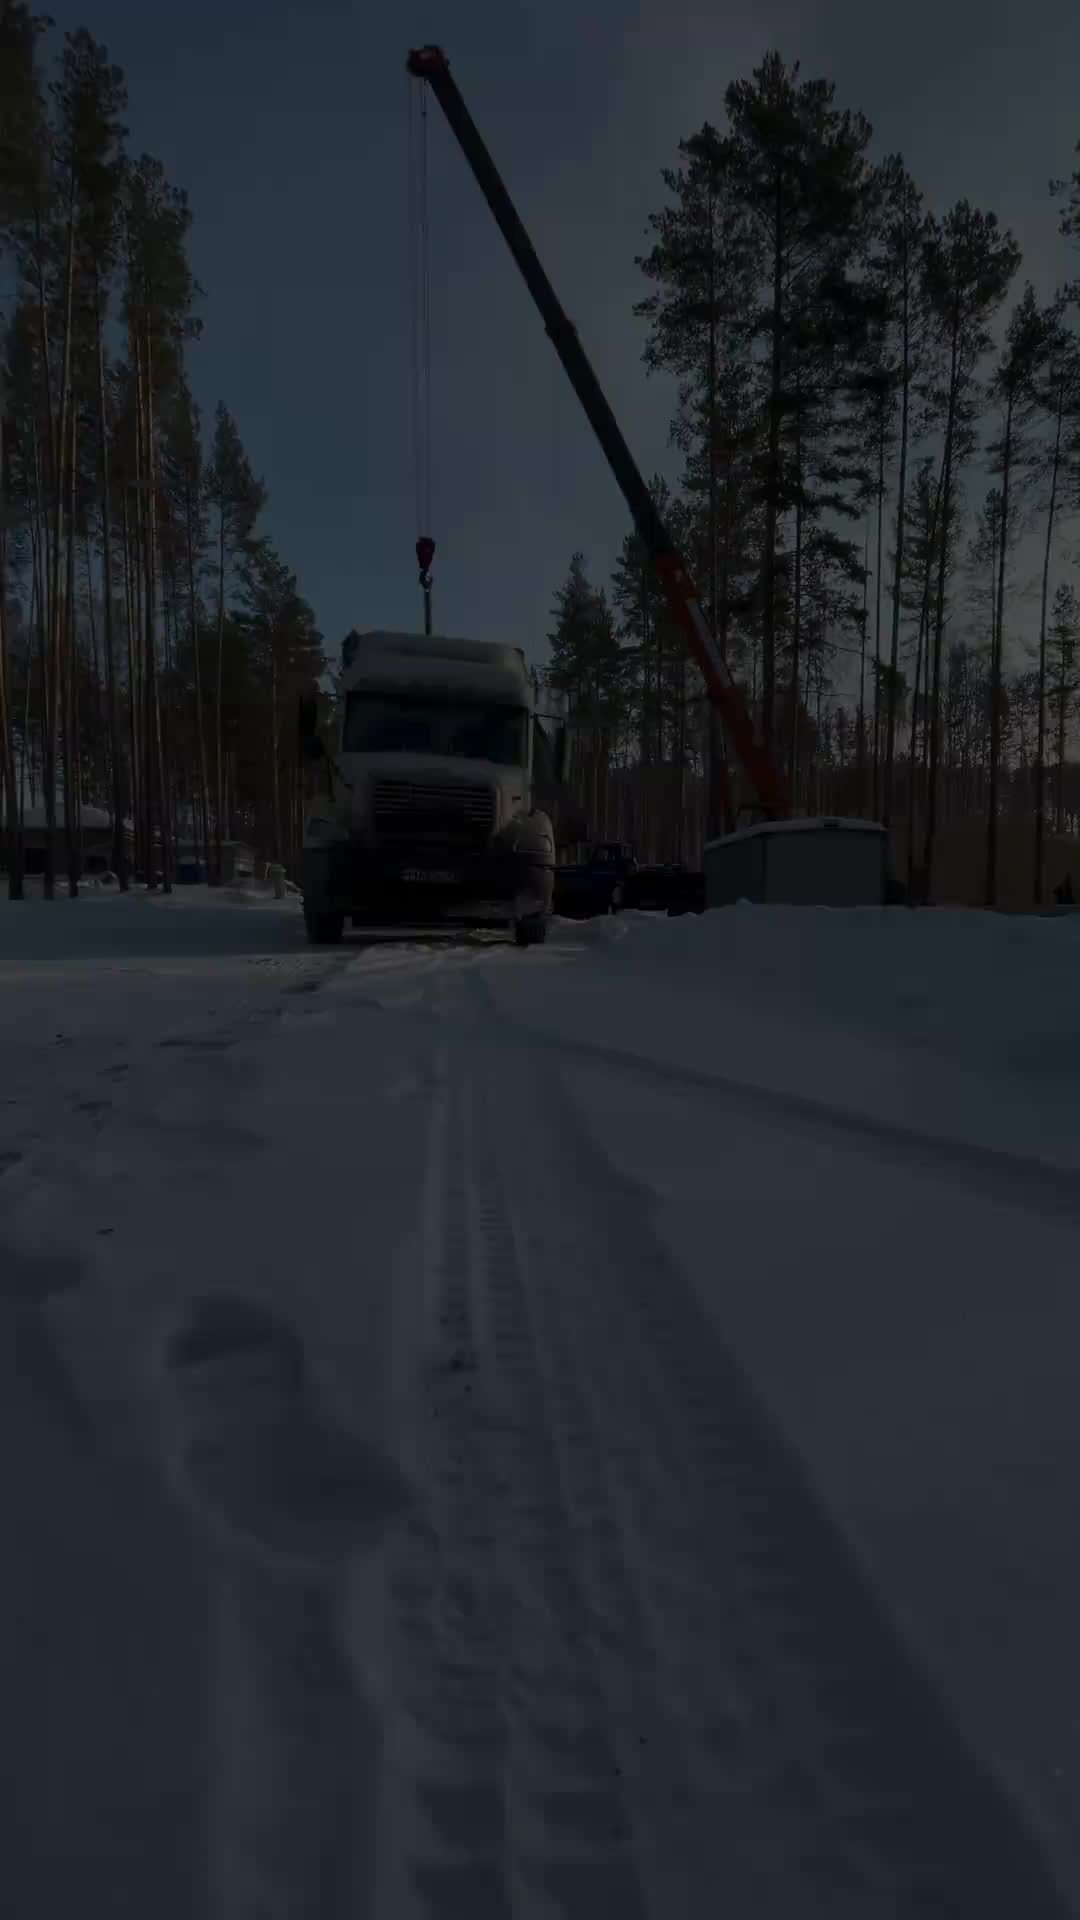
[431, 64]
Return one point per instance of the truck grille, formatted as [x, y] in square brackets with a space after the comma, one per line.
[426, 810]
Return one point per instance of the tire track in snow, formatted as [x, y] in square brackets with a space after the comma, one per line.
[442, 1819]
[503, 1793]
[571, 1751]
[837, 1784]
[1018, 1179]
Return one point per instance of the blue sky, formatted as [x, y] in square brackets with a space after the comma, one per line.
[288, 127]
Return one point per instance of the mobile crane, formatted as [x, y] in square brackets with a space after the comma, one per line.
[431, 65]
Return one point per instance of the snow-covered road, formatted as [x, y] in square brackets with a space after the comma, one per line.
[588, 1432]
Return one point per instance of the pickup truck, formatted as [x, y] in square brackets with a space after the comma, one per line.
[674, 889]
[598, 885]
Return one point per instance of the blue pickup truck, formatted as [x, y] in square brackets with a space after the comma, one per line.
[598, 885]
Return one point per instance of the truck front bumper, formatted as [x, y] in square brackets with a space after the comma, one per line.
[425, 886]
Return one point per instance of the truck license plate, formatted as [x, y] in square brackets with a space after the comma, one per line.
[430, 876]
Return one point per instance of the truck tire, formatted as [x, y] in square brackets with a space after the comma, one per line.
[530, 933]
[615, 904]
[324, 926]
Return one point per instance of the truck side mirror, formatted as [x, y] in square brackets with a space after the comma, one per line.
[309, 744]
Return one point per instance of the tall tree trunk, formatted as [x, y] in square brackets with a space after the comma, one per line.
[196, 651]
[877, 617]
[661, 804]
[145, 614]
[100, 731]
[7, 739]
[912, 803]
[116, 785]
[275, 745]
[57, 622]
[772, 490]
[161, 788]
[997, 647]
[714, 813]
[134, 690]
[901, 509]
[219, 803]
[1040, 748]
[26, 763]
[943, 527]
[680, 818]
[72, 790]
[1062, 723]
[860, 742]
[44, 486]
[796, 619]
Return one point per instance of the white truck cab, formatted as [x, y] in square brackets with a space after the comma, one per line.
[425, 811]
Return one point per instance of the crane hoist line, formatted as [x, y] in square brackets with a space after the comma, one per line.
[420, 329]
[431, 66]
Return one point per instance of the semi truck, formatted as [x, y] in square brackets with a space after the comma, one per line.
[429, 808]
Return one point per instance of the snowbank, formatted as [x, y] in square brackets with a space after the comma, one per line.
[955, 1025]
[191, 923]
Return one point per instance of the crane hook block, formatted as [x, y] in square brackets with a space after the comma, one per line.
[423, 62]
[425, 552]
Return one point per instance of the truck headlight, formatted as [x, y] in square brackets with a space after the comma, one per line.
[532, 836]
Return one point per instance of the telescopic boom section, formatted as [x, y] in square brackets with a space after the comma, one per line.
[431, 64]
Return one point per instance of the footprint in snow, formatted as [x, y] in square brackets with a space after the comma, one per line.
[251, 1450]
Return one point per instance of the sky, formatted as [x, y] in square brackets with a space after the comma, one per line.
[289, 129]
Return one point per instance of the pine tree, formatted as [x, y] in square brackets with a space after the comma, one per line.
[703, 263]
[102, 495]
[642, 615]
[655, 676]
[185, 492]
[29, 198]
[237, 498]
[798, 168]
[1014, 388]
[1063, 669]
[588, 667]
[92, 96]
[159, 296]
[895, 267]
[284, 661]
[1058, 394]
[969, 264]
[23, 170]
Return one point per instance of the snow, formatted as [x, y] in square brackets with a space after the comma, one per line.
[580, 1432]
[814, 824]
[92, 819]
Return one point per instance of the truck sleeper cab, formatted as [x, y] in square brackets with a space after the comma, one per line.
[425, 815]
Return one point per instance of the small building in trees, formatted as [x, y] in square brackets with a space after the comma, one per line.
[95, 839]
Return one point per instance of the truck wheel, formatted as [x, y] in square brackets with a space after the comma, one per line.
[530, 933]
[324, 928]
[615, 904]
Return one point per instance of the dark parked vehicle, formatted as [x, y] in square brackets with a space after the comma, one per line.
[672, 889]
[598, 885]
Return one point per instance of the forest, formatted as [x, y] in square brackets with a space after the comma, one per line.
[153, 643]
[876, 477]
[877, 424]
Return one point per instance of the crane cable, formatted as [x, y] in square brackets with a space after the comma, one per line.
[419, 221]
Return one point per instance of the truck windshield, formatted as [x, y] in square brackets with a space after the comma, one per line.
[404, 723]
